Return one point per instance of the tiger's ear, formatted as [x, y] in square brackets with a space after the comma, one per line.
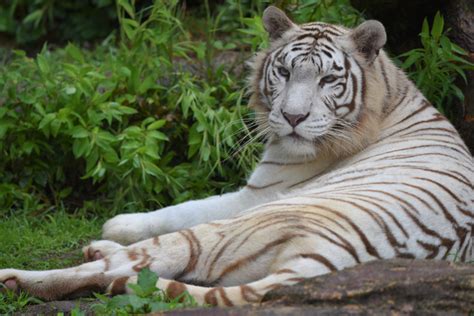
[276, 22]
[369, 38]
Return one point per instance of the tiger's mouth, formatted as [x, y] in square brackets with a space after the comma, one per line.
[296, 137]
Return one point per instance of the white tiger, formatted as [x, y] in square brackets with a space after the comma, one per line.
[358, 167]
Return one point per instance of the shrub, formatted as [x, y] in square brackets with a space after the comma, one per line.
[436, 66]
[125, 124]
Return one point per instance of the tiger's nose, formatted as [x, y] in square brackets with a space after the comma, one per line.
[294, 119]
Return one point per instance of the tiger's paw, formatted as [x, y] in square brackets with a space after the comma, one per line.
[99, 249]
[8, 280]
[127, 229]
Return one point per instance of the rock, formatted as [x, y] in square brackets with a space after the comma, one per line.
[55, 307]
[386, 286]
[460, 18]
[375, 288]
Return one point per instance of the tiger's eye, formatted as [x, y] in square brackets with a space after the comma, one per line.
[328, 79]
[283, 72]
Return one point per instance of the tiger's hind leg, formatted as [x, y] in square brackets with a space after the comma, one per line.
[292, 272]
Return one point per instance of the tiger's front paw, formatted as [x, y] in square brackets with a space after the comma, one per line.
[8, 280]
[130, 228]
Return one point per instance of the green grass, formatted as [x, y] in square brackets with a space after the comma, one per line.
[55, 241]
[10, 303]
[47, 241]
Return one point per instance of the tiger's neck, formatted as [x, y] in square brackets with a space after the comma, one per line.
[278, 172]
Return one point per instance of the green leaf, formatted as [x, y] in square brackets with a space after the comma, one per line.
[457, 49]
[65, 192]
[119, 301]
[458, 92]
[155, 125]
[151, 169]
[79, 132]
[147, 281]
[438, 26]
[205, 153]
[80, 147]
[129, 31]
[19, 52]
[157, 135]
[34, 17]
[127, 7]
[425, 33]
[459, 71]
[194, 136]
[146, 85]
[28, 147]
[130, 27]
[43, 64]
[48, 118]
[137, 303]
[127, 110]
[110, 156]
[126, 72]
[152, 152]
[131, 22]
[412, 58]
[74, 52]
[77, 312]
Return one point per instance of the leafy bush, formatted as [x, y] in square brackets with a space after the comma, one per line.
[436, 66]
[128, 124]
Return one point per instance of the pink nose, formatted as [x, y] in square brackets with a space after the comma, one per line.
[294, 119]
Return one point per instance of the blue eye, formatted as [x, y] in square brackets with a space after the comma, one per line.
[283, 72]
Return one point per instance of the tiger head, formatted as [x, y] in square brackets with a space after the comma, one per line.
[316, 86]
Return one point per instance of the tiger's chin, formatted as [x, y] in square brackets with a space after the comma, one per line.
[298, 146]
